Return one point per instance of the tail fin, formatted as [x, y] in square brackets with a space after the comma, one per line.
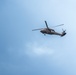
[63, 33]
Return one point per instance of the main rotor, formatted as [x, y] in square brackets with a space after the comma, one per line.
[47, 26]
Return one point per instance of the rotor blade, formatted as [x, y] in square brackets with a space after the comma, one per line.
[37, 29]
[63, 30]
[58, 25]
[46, 24]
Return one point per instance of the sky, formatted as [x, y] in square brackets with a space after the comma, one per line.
[24, 52]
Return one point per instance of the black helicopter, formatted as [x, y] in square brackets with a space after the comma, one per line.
[50, 31]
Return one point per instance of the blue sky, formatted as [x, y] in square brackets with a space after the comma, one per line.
[23, 52]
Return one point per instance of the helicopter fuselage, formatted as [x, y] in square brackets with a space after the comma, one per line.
[47, 31]
[51, 32]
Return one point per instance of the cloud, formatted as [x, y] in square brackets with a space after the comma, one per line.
[36, 48]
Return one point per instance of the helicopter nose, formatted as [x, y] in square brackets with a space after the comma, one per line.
[41, 31]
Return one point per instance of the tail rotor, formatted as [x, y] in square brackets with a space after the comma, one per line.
[63, 33]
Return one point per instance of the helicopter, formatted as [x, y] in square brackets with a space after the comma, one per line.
[50, 31]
